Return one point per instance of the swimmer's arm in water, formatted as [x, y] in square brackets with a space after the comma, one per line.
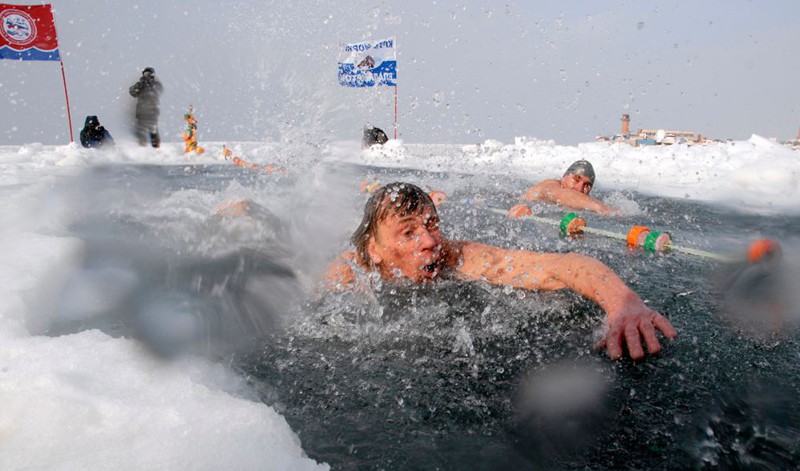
[629, 319]
[239, 208]
[551, 191]
[340, 272]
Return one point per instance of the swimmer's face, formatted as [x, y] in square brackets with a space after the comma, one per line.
[580, 183]
[408, 246]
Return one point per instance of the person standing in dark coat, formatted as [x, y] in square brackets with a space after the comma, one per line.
[148, 93]
[94, 135]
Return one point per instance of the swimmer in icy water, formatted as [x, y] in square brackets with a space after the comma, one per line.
[399, 238]
[572, 190]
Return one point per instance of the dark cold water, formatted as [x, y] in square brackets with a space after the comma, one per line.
[468, 376]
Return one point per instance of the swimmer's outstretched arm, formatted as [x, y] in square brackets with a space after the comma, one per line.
[629, 319]
[552, 192]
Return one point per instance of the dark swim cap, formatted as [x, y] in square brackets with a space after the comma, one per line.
[581, 167]
[149, 69]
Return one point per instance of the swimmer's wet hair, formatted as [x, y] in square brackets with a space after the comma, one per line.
[397, 198]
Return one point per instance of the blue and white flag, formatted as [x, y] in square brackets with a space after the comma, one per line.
[369, 63]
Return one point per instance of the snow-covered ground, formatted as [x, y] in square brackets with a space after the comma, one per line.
[88, 400]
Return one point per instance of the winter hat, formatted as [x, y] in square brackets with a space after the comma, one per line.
[149, 69]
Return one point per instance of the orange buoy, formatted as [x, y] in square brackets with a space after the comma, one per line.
[438, 197]
[519, 210]
[369, 187]
[762, 248]
[637, 235]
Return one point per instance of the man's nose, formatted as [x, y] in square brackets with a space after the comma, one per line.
[426, 240]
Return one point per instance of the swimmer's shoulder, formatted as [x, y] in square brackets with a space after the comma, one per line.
[340, 273]
[542, 190]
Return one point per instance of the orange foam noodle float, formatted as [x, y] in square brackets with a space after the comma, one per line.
[572, 224]
[519, 210]
[762, 249]
[652, 241]
[438, 197]
[268, 169]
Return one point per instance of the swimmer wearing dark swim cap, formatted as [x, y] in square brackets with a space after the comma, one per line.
[581, 167]
[572, 190]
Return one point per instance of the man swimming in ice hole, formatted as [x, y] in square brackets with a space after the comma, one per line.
[399, 238]
[572, 190]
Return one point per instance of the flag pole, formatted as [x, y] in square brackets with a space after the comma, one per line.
[395, 110]
[66, 95]
[64, 80]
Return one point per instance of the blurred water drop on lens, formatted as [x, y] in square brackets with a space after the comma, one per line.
[561, 408]
[757, 297]
[90, 292]
[171, 323]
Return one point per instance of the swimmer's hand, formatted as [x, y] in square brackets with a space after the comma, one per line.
[628, 325]
[606, 210]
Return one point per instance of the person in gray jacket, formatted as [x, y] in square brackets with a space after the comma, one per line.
[148, 93]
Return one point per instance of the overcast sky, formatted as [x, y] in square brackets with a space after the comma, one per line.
[467, 70]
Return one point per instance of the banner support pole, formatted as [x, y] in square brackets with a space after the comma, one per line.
[395, 110]
[64, 80]
[66, 95]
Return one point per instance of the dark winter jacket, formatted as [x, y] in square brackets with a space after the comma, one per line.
[148, 91]
[95, 135]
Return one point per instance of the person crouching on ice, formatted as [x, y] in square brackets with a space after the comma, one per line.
[94, 135]
[399, 238]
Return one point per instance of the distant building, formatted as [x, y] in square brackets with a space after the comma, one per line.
[653, 137]
[794, 143]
